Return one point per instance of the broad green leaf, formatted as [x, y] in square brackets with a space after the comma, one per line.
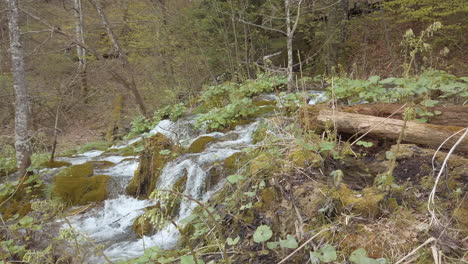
[272, 245]
[326, 253]
[235, 178]
[359, 256]
[231, 241]
[327, 145]
[188, 219]
[262, 234]
[365, 144]
[430, 103]
[190, 260]
[290, 242]
[250, 194]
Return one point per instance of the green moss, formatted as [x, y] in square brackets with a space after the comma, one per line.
[265, 111]
[100, 164]
[77, 186]
[152, 161]
[264, 103]
[231, 163]
[365, 203]
[260, 164]
[268, 198]
[96, 145]
[199, 145]
[55, 164]
[143, 227]
[259, 134]
[304, 158]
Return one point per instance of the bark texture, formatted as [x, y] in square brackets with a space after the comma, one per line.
[22, 108]
[80, 51]
[419, 133]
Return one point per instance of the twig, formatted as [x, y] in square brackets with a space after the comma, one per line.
[430, 200]
[429, 240]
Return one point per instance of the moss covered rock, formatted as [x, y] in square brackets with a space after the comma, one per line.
[100, 164]
[158, 151]
[365, 203]
[200, 143]
[305, 158]
[55, 164]
[76, 185]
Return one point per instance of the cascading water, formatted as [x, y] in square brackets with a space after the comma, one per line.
[111, 223]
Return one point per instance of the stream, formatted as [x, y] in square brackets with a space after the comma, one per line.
[110, 224]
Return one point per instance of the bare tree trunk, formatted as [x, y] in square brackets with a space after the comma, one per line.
[129, 84]
[80, 51]
[290, 30]
[289, 46]
[23, 112]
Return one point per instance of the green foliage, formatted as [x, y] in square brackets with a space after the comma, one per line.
[7, 160]
[219, 118]
[262, 233]
[140, 125]
[327, 253]
[172, 112]
[234, 179]
[359, 256]
[290, 242]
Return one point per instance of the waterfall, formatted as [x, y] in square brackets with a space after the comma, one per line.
[110, 224]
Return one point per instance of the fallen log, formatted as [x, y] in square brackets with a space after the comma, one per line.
[419, 133]
[452, 115]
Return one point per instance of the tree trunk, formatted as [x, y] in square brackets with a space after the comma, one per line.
[336, 27]
[452, 115]
[80, 51]
[129, 84]
[23, 114]
[419, 133]
[289, 46]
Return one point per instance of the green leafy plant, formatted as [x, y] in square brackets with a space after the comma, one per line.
[359, 256]
[325, 254]
[262, 233]
[219, 118]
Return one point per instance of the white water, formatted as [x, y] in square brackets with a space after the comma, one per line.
[111, 223]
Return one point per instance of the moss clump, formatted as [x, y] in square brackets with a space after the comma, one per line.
[100, 164]
[152, 160]
[97, 145]
[142, 225]
[305, 158]
[365, 203]
[265, 110]
[268, 198]
[77, 186]
[55, 164]
[199, 144]
[259, 134]
[261, 164]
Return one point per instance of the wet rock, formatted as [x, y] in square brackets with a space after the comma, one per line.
[55, 164]
[199, 145]
[158, 151]
[76, 185]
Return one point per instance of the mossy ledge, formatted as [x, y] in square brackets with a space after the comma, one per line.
[76, 185]
[152, 161]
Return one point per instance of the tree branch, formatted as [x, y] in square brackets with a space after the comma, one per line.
[261, 26]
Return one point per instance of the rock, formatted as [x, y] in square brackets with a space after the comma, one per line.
[76, 185]
[200, 143]
[158, 151]
[365, 203]
[55, 164]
